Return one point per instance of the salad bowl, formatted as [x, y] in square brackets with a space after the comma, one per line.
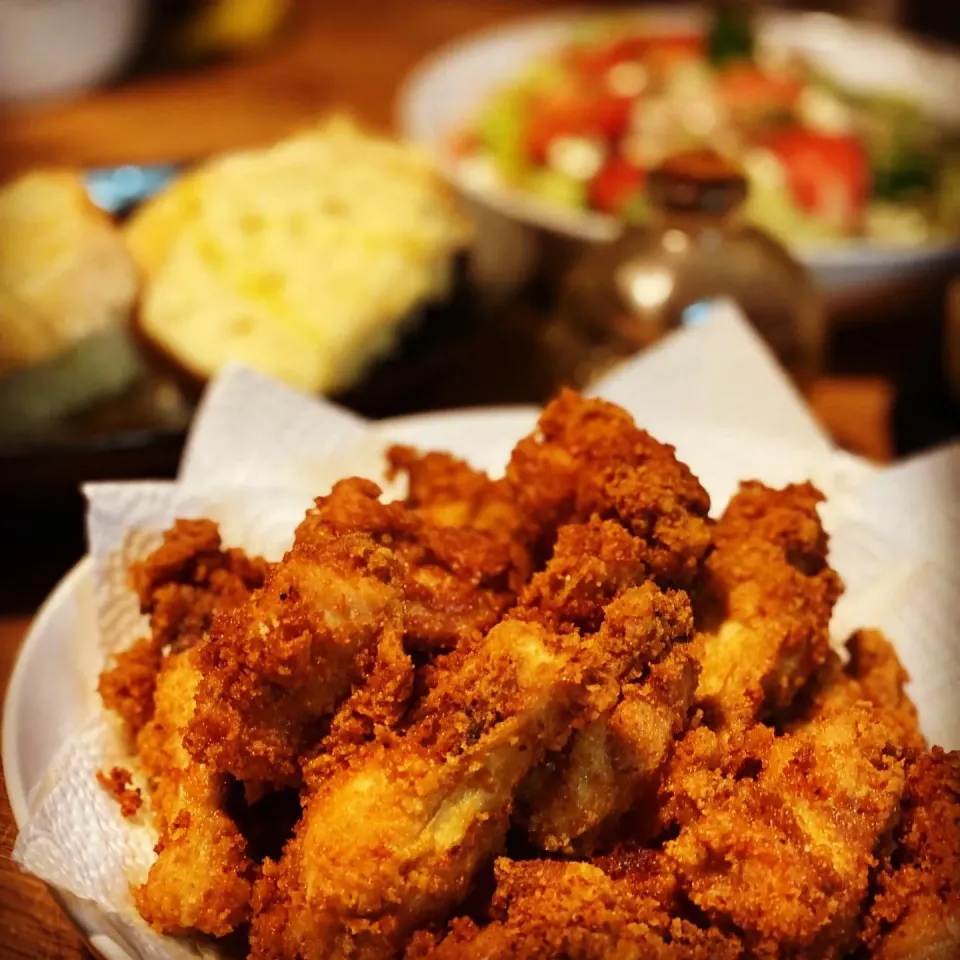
[867, 72]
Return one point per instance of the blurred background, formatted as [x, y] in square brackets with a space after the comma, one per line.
[111, 110]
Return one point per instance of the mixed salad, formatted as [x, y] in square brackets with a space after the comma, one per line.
[583, 127]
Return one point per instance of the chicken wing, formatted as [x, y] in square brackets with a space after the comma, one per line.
[784, 853]
[616, 760]
[766, 603]
[456, 580]
[394, 840]
[201, 878]
[181, 585]
[588, 458]
[275, 668]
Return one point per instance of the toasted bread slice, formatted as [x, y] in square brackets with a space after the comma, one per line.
[302, 260]
[65, 273]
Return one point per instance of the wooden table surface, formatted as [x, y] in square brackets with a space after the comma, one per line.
[353, 54]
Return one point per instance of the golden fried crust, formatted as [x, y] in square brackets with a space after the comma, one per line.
[394, 840]
[873, 673]
[201, 877]
[279, 664]
[591, 564]
[456, 580]
[181, 585]
[551, 910]
[614, 761]
[188, 577]
[588, 458]
[786, 857]
[127, 687]
[875, 666]
[766, 603]
[916, 910]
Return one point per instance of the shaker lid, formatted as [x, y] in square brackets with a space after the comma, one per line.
[697, 180]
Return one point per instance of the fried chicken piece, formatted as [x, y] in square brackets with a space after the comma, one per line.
[181, 585]
[702, 770]
[188, 578]
[616, 760]
[608, 765]
[916, 910]
[552, 910]
[766, 603]
[275, 668]
[591, 564]
[201, 877]
[455, 579]
[451, 493]
[588, 458]
[785, 858]
[395, 838]
[872, 673]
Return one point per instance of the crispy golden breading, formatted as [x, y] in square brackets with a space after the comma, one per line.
[766, 603]
[616, 760]
[785, 858]
[872, 673]
[551, 910]
[916, 910]
[394, 839]
[127, 686]
[276, 667]
[451, 493]
[118, 782]
[588, 458]
[201, 877]
[591, 564]
[181, 584]
[455, 579]
[188, 578]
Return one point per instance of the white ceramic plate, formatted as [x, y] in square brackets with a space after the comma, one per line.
[53, 687]
[448, 89]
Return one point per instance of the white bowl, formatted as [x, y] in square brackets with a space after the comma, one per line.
[448, 89]
[52, 48]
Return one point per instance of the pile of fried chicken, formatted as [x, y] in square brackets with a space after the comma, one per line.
[559, 714]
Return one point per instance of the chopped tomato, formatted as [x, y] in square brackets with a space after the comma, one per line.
[745, 87]
[577, 115]
[611, 115]
[828, 174]
[615, 185]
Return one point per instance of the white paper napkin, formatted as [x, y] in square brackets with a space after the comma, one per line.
[258, 452]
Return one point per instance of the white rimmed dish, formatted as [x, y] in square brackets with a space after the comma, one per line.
[447, 89]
